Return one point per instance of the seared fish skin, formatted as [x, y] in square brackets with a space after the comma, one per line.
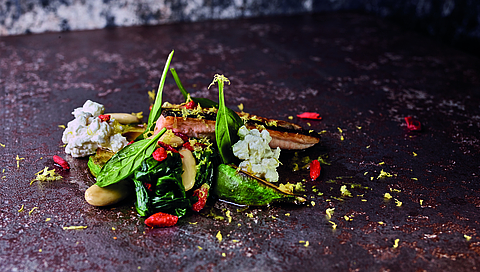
[197, 124]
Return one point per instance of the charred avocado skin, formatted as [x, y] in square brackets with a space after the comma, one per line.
[241, 188]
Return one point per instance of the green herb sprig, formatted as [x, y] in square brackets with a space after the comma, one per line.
[203, 102]
[227, 123]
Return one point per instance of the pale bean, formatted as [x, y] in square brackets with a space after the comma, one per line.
[109, 195]
[124, 118]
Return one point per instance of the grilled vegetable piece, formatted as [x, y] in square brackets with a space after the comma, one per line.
[242, 188]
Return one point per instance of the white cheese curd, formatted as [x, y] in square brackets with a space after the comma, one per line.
[258, 158]
[87, 132]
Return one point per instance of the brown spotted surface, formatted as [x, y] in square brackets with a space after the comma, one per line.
[362, 74]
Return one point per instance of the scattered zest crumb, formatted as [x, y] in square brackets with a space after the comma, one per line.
[229, 217]
[219, 236]
[18, 161]
[313, 203]
[223, 254]
[421, 202]
[387, 196]
[380, 223]
[414, 154]
[381, 163]
[329, 213]
[395, 245]
[199, 247]
[21, 209]
[398, 202]
[48, 219]
[61, 126]
[414, 178]
[74, 227]
[250, 215]
[46, 175]
[347, 218]
[384, 174]
[287, 214]
[334, 226]
[31, 211]
[467, 237]
[345, 192]
[2, 145]
[306, 243]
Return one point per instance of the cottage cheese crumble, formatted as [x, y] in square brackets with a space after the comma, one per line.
[259, 159]
[87, 132]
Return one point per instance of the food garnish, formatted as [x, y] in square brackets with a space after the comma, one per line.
[310, 115]
[413, 124]
[186, 150]
[60, 161]
[315, 169]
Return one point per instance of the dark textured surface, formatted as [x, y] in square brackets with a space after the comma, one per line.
[362, 74]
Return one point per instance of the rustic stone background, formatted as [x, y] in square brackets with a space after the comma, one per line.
[453, 21]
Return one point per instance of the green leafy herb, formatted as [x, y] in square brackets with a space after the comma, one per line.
[227, 123]
[157, 106]
[159, 187]
[127, 160]
[203, 102]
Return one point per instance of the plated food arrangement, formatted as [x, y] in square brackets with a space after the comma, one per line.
[184, 155]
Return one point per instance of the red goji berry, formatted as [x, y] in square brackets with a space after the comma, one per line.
[190, 105]
[160, 220]
[309, 115]
[104, 117]
[182, 136]
[167, 147]
[412, 123]
[160, 154]
[315, 169]
[60, 161]
[202, 194]
[188, 146]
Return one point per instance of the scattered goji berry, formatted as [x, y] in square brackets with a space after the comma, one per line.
[310, 115]
[60, 161]
[131, 142]
[190, 105]
[161, 220]
[160, 154]
[188, 146]
[413, 124]
[182, 136]
[202, 194]
[167, 147]
[315, 169]
[104, 117]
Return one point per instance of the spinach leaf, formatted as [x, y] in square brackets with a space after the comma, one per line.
[157, 106]
[227, 123]
[165, 191]
[206, 162]
[203, 102]
[142, 198]
[127, 160]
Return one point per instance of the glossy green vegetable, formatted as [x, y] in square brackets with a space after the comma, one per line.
[159, 186]
[127, 160]
[227, 124]
[241, 188]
